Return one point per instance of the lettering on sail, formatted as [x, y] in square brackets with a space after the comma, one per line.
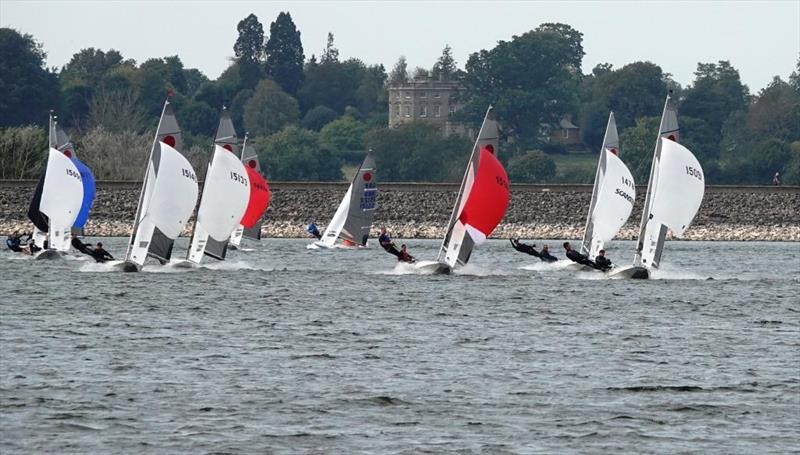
[369, 199]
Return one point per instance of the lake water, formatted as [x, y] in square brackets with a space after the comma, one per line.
[284, 350]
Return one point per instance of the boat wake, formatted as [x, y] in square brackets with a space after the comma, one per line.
[547, 266]
[100, 267]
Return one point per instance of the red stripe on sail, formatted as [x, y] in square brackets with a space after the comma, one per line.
[488, 199]
[259, 198]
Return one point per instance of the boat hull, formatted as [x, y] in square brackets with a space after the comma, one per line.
[634, 272]
[49, 254]
[432, 268]
[128, 266]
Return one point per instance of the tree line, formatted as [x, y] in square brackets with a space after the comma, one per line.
[310, 117]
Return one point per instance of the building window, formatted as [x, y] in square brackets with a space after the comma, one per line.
[437, 95]
[397, 95]
[408, 110]
[437, 111]
[565, 133]
[423, 111]
[423, 95]
[397, 110]
[408, 95]
[452, 109]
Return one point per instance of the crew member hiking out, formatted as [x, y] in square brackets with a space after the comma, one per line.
[313, 230]
[574, 256]
[14, 242]
[531, 249]
[404, 256]
[387, 244]
[100, 254]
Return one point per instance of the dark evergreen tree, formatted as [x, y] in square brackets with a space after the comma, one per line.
[284, 54]
[399, 74]
[28, 89]
[330, 54]
[445, 67]
[249, 45]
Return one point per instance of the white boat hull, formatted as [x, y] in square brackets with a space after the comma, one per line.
[432, 268]
[632, 272]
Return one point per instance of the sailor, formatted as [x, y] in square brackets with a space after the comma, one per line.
[312, 229]
[85, 248]
[14, 242]
[602, 262]
[387, 244]
[403, 255]
[574, 256]
[546, 256]
[100, 254]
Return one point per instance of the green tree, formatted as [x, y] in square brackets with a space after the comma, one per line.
[88, 66]
[27, 89]
[249, 46]
[296, 154]
[417, 152]
[284, 54]
[269, 109]
[531, 80]
[775, 112]
[637, 145]
[318, 117]
[344, 133]
[531, 167]
[23, 150]
[341, 84]
[399, 74]
[445, 67]
[330, 54]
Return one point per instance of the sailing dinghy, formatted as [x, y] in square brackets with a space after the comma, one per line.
[168, 197]
[480, 206]
[62, 199]
[250, 225]
[613, 195]
[674, 194]
[353, 218]
[226, 192]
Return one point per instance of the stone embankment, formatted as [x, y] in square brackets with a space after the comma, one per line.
[421, 211]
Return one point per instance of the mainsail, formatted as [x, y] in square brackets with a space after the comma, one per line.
[169, 193]
[612, 196]
[482, 199]
[353, 218]
[226, 192]
[674, 192]
[250, 225]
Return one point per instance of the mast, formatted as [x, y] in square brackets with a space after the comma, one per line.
[611, 143]
[668, 128]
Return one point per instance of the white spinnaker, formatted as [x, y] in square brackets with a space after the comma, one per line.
[614, 202]
[337, 222]
[174, 194]
[225, 196]
[678, 193]
[62, 197]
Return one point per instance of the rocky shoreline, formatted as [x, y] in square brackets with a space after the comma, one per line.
[408, 211]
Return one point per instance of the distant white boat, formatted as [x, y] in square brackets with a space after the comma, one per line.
[480, 205]
[613, 195]
[674, 194]
[62, 198]
[250, 225]
[353, 218]
[168, 197]
[226, 192]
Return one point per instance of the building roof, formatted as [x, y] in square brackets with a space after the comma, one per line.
[566, 124]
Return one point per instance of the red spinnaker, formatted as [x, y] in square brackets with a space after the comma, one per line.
[259, 198]
[488, 198]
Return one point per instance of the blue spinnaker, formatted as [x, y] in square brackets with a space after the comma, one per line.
[88, 193]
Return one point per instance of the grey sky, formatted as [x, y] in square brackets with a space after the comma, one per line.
[760, 38]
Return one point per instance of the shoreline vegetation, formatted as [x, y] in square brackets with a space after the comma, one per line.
[420, 211]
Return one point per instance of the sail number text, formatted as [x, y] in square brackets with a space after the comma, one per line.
[694, 172]
[238, 178]
[501, 181]
[369, 198]
[72, 173]
[627, 182]
[188, 174]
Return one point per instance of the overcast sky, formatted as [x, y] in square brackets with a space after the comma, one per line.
[760, 38]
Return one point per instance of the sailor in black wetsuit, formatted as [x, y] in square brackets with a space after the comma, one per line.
[404, 256]
[530, 249]
[100, 254]
[387, 244]
[602, 262]
[574, 256]
[85, 248]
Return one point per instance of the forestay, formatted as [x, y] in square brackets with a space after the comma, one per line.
[613, 195]
[353, 218]
[482, 199]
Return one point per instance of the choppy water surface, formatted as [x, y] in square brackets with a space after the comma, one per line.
[288, 350]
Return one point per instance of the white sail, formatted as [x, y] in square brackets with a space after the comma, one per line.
[676, 198]
[62, 197]
[613, 204]
[168, 201]
[334, 228]
[224, 201]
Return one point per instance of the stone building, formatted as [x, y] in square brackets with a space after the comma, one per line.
[425, 99]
